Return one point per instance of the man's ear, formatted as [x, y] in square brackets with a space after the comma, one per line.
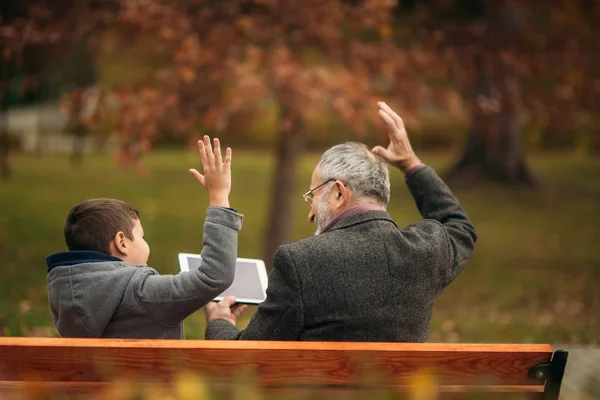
[119, 244]
[342, 192]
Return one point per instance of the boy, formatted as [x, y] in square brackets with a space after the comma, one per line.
[102, 286]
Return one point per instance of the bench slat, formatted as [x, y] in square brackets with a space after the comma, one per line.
[86, 387]
[275, 345]
[274, 363]
[100, 390]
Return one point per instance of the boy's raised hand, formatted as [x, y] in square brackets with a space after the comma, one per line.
[217, 172]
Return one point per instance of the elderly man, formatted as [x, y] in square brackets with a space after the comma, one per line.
[360, 278]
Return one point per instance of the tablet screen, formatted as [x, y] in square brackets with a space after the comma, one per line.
[250, 281]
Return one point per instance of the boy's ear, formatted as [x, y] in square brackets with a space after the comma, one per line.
[119, 244]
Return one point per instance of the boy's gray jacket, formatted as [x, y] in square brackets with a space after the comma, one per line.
[92, 294]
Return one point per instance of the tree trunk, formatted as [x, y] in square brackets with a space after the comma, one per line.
[78, 146]
[508, 162]
[559, 132]
[77, 128]
[281, 212]
[494, 150]
[4, 142]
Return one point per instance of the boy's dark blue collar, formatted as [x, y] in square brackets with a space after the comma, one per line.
[77, 257]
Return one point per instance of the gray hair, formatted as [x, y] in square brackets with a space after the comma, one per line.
[354, 164]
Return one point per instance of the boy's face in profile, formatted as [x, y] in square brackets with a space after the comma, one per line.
[137, 250]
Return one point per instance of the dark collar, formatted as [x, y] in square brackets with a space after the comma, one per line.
[354, 210]
[361, 217]
[77, 257]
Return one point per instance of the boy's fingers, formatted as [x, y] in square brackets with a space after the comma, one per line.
[208, 150]
[202, 153]
[217, 145]
[198, 176]
[228, 156]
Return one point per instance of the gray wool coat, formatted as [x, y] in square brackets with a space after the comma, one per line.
[365, 279]
[94, 295]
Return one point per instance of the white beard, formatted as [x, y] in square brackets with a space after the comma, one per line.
[324, 215]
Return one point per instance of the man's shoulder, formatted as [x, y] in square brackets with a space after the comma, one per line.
[309, 243]
[314, 246]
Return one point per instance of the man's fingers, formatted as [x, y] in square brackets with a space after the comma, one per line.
[395, 117]
[210, 306]
[198, 176]
[388, 121]
[227, 301]
[383, 153]
[217, 145]
[238, 309]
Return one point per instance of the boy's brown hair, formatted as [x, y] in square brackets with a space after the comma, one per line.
[92, 224]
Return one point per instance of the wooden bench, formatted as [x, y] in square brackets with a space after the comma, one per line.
[89, 365]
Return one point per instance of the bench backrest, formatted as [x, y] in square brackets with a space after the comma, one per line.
[75, 363]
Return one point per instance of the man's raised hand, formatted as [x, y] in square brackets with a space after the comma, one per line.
[217, 172]
[399, 152]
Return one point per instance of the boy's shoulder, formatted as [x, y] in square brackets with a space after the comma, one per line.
[90, 261]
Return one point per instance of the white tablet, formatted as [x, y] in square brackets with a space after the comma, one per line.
[249, 284]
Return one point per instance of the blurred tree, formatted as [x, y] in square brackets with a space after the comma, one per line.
[32, 34]
[204, 62]
[213, 60]
[192, 66]
[10, 45]
[507, 60]
[495, 144]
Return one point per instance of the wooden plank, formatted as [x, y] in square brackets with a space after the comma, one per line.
[270, 363]
[241, 344]
[62, 387]
[95, 386]
[98, 390]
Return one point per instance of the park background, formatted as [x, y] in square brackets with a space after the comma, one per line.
[107, 98]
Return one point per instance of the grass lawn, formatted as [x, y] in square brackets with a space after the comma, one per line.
[535, 275]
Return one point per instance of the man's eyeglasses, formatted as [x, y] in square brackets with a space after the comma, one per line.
[308, 196]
